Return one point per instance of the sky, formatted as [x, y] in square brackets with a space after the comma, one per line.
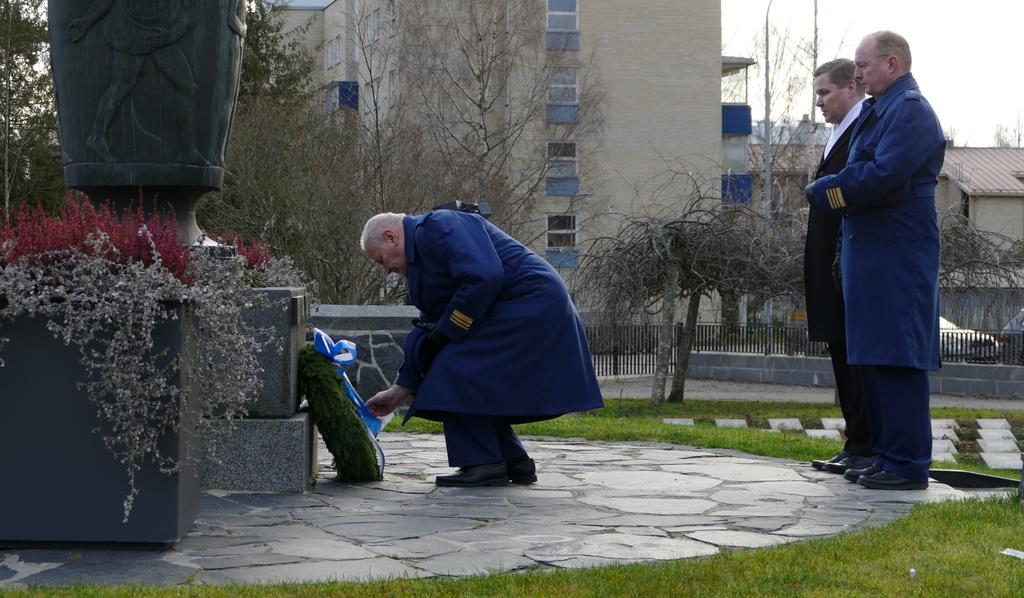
[966, 53]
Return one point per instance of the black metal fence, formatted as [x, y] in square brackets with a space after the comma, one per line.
[631, 349]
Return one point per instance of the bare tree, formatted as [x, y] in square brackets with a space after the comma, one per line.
[701, 246]
[1010, 136]
[478, 77]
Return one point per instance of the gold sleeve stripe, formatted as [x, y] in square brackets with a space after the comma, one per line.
[835, 198]
[461, 320]
[458, 314]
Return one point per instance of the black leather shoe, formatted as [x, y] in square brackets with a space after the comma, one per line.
[522, 470]
[883, 480]
[852, 475]
[851, 462]
[491, 474]
[820, 464]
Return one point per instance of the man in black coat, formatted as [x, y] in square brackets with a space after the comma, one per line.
[839, 97]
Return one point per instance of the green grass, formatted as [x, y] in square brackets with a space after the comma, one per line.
[954, 546]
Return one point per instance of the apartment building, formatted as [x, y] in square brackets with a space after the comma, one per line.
[654, 73]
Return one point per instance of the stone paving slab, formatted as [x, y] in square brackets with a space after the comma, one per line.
[948, 424]
[730, 423]
[993, 424]
[946, 433]
[785, 423]
[831, 434]
[594, 504]
[678, 421]
[1002, 460]
[996, 434]
[833, 423]
[943, 445]
[940, 456]
[998, 446]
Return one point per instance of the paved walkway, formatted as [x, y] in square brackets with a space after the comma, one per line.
[595, 504]
[640, 387]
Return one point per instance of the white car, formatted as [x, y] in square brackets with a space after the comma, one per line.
[964, 344]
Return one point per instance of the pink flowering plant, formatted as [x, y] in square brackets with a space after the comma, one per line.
[103, 282]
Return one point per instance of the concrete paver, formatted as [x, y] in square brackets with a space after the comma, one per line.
[595, 504]
[730, 423]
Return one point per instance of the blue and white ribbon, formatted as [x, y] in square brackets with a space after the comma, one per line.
[342, 353]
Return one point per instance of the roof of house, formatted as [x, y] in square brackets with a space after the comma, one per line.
[986, 170]
[734, 64]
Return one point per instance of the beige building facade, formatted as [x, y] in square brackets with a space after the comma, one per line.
[654, 73]
[985, 184]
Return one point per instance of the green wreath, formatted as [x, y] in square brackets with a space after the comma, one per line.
[355, 458]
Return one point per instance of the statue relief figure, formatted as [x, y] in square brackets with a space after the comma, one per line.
[140, 32]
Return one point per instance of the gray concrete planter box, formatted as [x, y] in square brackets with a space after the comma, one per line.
[59, 483]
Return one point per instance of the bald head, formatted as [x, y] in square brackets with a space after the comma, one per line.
[383, 239]
[374, 228]
[881, 58]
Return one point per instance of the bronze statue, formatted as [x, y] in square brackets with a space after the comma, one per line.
[140, 31]
[145, 95]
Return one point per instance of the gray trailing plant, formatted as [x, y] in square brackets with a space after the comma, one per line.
[109, 309]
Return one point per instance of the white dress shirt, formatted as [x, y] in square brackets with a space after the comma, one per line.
[839, 129]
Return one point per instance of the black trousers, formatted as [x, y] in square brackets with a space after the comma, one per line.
[851, 401]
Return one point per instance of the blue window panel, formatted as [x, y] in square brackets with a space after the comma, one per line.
[348, 94]
[563, 40]
[736, 119]
[737, 188]
[558, 113]
[564, 258]
[562, 5]
[562, 186]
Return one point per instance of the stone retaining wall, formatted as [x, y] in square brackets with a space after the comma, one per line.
[380, 331]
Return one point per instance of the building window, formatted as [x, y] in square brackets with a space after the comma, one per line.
[333, 51]
[376, 25]
[563, 86]
[563, 25]
[563, 95]
[392, 18]
[562, 15]
[561, 231]
[392, 87]
[563, 172]
[562, 160]
[561, 248]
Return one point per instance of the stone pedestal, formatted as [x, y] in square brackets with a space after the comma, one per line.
[265, 455]
[273, 449]
[284, 311]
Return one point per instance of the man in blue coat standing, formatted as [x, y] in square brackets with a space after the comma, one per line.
[890, 259]
[498, 340]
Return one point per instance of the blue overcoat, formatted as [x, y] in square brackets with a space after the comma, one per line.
[890, 235]
[517, 349]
